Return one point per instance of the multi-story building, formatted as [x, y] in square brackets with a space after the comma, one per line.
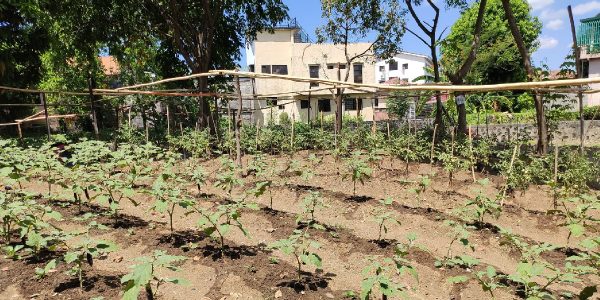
[588, 38]
[403, 66]
[288, 51]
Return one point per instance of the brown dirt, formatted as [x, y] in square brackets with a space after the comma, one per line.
[246, 270]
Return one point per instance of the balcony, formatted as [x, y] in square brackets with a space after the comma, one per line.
[588, 37]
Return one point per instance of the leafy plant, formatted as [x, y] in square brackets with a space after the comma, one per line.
[261, 188]
[481, 206]
[580, 214]
[380, 273]
[218, 220]
[423, 183]
[227, 179]
[460, 233]
[301, 246]
[198, 177]
[144, 275]
[309, 205]
[167, 190]
[358, 170]
[384, 214]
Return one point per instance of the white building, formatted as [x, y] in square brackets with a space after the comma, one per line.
[403, 66]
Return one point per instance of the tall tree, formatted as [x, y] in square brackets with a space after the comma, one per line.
[209, 34]
[430, 30]
[542, 127]
[348, 21]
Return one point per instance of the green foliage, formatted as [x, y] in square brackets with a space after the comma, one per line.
[379, 275]
[357, 170]
[145, 273]
[580, 214]
[452, 160]
[460, 233]
[301, 246]
[194, 142]
[168, 191]
[384, 214]
[217, 221]
[477, 208]
[227, 178]
[398, 104]
[491, 65]
[311, 203]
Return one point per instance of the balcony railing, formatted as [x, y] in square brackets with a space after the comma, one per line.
[588, 35]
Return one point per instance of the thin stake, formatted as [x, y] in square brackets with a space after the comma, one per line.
[43, 99]
[510, 168]
[555, 202]
[433, 143]
[472, 155]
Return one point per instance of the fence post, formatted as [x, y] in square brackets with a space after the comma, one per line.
[43, 100]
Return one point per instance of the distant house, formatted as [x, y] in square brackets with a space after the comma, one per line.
[588, 38]
[288, 51]
[111, 69]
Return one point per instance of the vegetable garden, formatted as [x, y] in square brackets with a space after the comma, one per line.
[364, 215]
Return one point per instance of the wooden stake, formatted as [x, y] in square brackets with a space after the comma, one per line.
[43, 99]
[388, 131]
[91, 86]
[19, 129]
[472, 156]
[257, 134]
[168, 121]
[510, 168]
[238, 123]
[579, 74]
[433, 143]
[147, 135]
[555, 200]
[292, 137]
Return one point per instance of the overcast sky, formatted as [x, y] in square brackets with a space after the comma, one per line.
[555, 40]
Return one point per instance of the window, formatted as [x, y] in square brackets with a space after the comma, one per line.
[404, 68]
[324, 105]
[381, 68]
[393, 65]
[376, 102]
[251, 68]
[314, 73]
[330, 66]
[304, 104]
[342, 66]
[358, 68]
[353, 104]
[265, 69]
[272, 101]
[280, 69]
[585, 69]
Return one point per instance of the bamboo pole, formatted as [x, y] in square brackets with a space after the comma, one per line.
[188, 77]
[168, 121]
[238, 123]
[388, 131]
[472, 156]
[91, 85]
[425, 87]
[510, 168]
[49, 117]
[19, 130]
[555, 198]
[433, 143]
[292, 137]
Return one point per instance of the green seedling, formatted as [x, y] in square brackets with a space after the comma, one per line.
[167, 191]
[199, 177]
[309, 205]
[384, 214]
[300, 245]
[460, 233]
[261, 188]
[357, 170]
[144, 275]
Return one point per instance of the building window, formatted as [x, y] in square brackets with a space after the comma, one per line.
[281, 107]
[304, 104]
[265, 69]
[585, 69]
[342, 66]
[393, 65]
[376, 102]
[271, 101]
[330, 66]
[314, 73]
[353, 104]
[381, 68]
[324, 105]
[251, 68]
[280, 69]
[358, 68]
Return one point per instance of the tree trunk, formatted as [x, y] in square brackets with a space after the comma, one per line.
[542, 127]
[205, 117]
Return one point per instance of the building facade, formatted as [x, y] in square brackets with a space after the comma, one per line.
[287, 51]
[588, 38]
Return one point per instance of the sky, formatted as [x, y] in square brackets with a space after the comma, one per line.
[555, 39]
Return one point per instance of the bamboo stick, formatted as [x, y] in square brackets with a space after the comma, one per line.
[472, 156]
[433, 143]
[167, 80]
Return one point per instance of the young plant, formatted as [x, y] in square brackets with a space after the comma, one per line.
[460, 233]
[300, 245]
[167, 190]
[424, 183]
[582, 216]
[144, 275]
[481, 206]
[311, 203]
[227, 179]
[218, 220]
[261, 188]
[452, 162]
[381, 271]
[198, 177]
[384, 214]
[358, 170]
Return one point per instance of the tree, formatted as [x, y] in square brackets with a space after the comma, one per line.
[497, 59]
[542, 127]
[21, 42]
[432, 41]
[351, 20]
[198, 29]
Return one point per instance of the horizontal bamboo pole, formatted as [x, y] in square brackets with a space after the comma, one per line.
[154, 93]
[181, 78]
[9, 124]
[49, 117]
[425, 87]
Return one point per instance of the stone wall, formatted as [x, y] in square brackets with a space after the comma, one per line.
[567, 132]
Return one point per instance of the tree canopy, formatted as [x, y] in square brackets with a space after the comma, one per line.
[498, 59]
